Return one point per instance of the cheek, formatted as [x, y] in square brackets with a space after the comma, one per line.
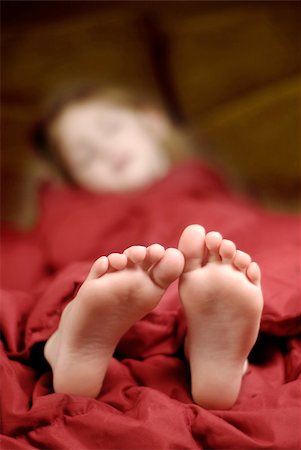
[151, 154]
[92, 171]
[143, 148]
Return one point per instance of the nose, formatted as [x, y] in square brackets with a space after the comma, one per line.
[120, 160]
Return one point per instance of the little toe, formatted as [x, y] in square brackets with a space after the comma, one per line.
[241, 261]
[192, 245]
[168, 269]
[99, 268]
[253, 273]
[117, 261]
[227, 250]
[213, 241]
[136, 254]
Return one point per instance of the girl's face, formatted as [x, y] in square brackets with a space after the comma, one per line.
[109, 148]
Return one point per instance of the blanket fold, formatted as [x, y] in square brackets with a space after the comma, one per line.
[145, 402]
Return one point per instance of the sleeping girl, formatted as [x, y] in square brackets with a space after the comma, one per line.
[107, 141]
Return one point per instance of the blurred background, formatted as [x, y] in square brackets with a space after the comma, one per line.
[229, 71]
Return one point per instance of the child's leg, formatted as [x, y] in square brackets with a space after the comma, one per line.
[119, 290]
[221, 295]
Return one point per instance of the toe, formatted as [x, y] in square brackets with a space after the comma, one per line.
[253, 273]
[192, 244]
[99, 268]
[154, 253]
[227, 250]
[168, 269]
[213, 241]
[117, 261]
[241, 261]
[136, 254]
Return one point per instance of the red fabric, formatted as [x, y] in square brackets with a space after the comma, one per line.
[145, 402]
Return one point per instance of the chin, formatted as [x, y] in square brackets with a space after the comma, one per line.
[139, 184]
[135, 181]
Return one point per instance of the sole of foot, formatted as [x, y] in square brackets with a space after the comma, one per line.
[222, 299]
[119, 290]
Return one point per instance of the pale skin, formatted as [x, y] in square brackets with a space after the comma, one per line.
[111, 149]
[219, 286]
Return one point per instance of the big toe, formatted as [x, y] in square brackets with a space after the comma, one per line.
[253, 273]
[192, 245]
[168, 269]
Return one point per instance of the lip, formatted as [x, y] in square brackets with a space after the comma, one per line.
[121, 162]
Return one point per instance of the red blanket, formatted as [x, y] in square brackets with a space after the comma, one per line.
[145, 402]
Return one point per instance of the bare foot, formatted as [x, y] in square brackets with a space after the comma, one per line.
[221, 295]
[119, 290]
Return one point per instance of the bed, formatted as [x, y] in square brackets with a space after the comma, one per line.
[145, 402]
